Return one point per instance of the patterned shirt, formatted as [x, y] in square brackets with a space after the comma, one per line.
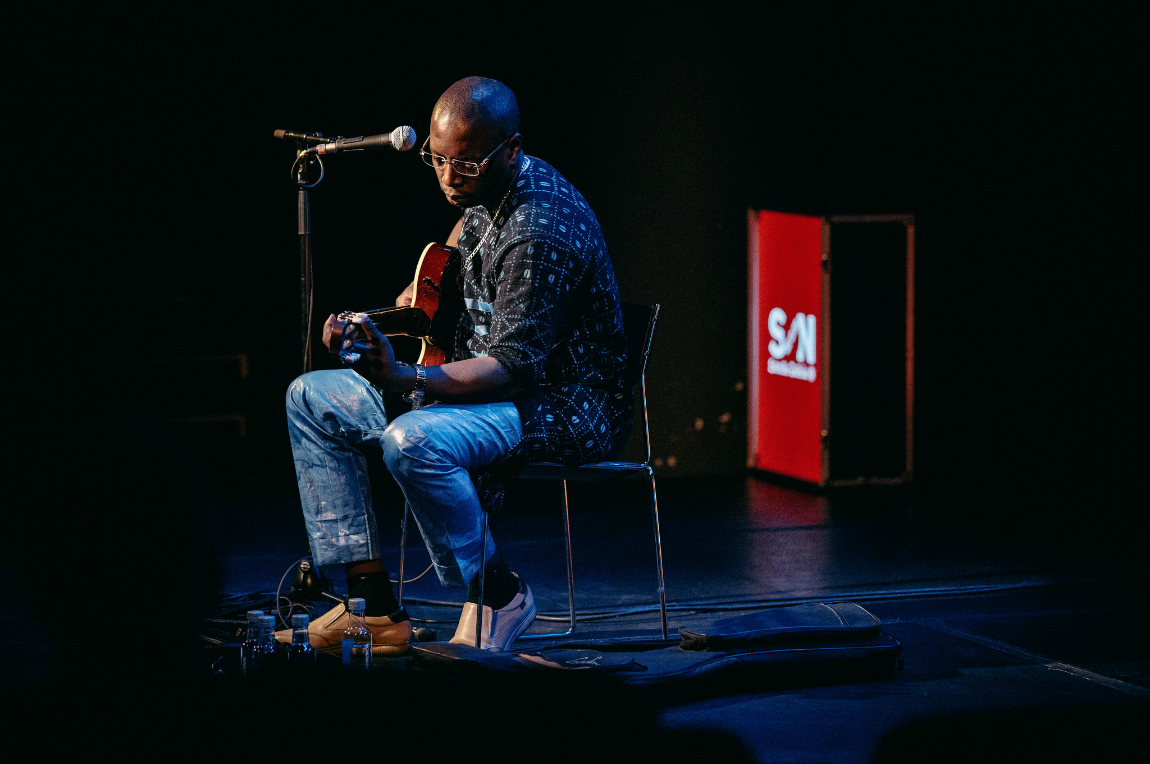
[540, 297]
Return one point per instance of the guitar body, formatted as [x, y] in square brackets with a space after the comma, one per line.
[432, 315]
[439, 294]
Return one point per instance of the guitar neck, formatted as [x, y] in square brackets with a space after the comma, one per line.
[405, 320]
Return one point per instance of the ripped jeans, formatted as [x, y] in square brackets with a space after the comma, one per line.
[334, 414]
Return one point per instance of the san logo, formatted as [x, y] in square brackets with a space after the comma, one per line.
[800, 338]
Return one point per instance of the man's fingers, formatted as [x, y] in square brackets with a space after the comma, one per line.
[371, 331]
[408, 295]
[327, 330]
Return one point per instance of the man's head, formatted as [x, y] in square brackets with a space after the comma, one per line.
[476, 119]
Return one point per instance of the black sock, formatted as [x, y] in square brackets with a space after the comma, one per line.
[375, 589]
[500, 585]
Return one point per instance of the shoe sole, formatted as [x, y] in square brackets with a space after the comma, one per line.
[337, 650]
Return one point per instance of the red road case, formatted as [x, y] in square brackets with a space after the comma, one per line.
[831, 347]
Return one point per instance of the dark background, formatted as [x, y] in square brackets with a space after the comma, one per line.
[150, 219]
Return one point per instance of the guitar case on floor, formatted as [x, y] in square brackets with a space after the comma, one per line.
[824, 643]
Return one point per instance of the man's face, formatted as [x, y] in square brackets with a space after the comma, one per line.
[458, 140]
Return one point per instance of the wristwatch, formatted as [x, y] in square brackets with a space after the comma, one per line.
[415, 397]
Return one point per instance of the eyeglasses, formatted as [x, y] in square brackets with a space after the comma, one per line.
[470, 169]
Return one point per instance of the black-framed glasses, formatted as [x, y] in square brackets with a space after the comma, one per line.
[470, 169]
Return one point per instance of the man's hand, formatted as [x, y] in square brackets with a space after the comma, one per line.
[407, 297]
[327, 331]
[377, 359]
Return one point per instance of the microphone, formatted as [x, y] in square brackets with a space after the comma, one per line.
[400, 139]
[286, 134]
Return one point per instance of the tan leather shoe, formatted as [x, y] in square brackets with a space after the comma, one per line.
[390, 634]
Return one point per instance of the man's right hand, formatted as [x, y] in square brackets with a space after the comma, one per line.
[407, 297]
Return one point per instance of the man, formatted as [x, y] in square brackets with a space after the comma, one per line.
[536, 373]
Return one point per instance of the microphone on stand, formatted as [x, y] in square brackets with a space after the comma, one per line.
[400, 139]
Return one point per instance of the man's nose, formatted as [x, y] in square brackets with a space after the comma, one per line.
[450, 176]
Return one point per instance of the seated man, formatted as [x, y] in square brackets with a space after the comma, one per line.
[536, 373]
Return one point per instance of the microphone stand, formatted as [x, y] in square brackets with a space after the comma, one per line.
[303, 206]
[300, 173]
[305, 161]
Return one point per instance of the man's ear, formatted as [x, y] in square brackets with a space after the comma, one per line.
[515, 143]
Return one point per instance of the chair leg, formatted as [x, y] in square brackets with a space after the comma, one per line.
[570, 564]
[482, 583]
[570, 577]
[662, 591]
[402, 549]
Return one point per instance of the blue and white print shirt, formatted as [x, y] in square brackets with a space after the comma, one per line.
[540, 297]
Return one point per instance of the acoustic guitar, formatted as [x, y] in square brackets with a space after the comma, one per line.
[432, 315]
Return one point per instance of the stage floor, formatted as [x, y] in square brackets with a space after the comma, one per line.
[1004, 647]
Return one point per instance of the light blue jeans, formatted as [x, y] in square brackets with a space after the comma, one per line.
[333, 415]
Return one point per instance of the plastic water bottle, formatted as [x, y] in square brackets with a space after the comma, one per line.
[356, 637]
[251, 639]
[301, 655]
[269, 656]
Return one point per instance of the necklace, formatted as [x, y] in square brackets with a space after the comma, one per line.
[494, 218]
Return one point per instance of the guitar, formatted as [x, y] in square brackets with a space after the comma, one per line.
[432, 315]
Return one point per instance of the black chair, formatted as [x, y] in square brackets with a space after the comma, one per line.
[639, 325]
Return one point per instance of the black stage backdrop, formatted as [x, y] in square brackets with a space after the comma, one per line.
[150, 219]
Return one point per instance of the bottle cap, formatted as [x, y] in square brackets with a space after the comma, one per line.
[254, 614]
[270, 622]
[300, 621]
[356, 605]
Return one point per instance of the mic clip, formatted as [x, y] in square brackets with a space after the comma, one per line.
[301, 138]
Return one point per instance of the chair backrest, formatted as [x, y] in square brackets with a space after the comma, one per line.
[639, 326]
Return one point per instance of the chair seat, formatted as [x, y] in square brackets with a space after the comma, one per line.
[584, 472]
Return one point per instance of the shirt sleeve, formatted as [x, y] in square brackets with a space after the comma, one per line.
[531, 301]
